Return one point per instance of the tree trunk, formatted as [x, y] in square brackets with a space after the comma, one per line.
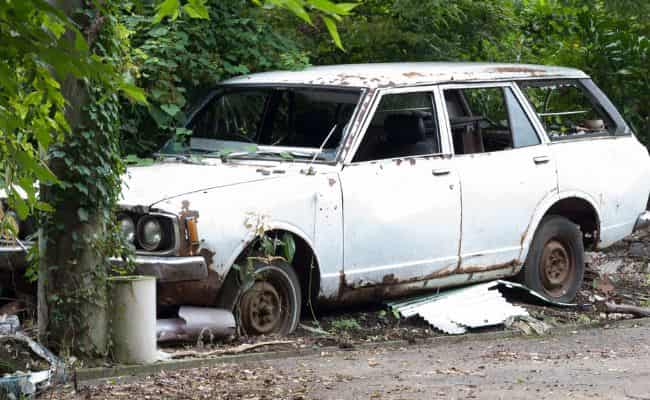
[72, 306]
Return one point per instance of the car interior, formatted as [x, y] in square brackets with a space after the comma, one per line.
[478, 119]
[289, 117]
[566, 109]
[404, 125]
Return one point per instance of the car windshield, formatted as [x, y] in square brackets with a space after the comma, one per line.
[269, 122]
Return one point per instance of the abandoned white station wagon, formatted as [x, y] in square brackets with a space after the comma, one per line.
[390, 179]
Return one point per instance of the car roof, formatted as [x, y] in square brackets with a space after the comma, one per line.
[405, 74]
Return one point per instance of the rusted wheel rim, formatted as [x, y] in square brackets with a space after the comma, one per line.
[557, 268]
[261, 308]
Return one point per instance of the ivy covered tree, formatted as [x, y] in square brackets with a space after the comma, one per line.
[65, 68]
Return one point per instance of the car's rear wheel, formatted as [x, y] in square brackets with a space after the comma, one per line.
[272, 303]
[555, 263]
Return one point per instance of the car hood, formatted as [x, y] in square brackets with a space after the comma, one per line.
[148, 185]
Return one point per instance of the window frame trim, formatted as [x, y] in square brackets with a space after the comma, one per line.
[370, 114]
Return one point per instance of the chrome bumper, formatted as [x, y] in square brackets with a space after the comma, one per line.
[169, 269]
[643, 221]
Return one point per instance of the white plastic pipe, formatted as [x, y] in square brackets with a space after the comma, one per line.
[133, 319]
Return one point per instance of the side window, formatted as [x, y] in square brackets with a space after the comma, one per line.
[404, 125]
[487, 120]
[523, 133]
[567, 110]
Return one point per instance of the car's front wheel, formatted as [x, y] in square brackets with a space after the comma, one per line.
[555, 263]
[272, 302]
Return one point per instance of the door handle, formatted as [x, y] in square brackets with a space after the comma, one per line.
[541, 160]
[441, 172]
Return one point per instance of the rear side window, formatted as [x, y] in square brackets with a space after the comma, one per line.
[567, 110]
[487, 120]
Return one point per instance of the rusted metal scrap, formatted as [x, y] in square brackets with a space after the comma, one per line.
[24, 384]
[194, 322]
[456, 311]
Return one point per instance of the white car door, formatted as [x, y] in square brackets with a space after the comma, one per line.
[505, 168]
[401, 195]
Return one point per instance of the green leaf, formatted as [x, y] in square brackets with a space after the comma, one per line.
[297, 9]
[80, 42]
[289, 248]
[196, 9]
[40, 205]
[168, 8]
[36, 166]
[60, 120]
[346, 8]
[171, 109]
[134, 93]
[19, 205]
[56, 27]
[332, 8]
[334, 33]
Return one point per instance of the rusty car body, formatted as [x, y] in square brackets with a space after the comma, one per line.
[391, 179]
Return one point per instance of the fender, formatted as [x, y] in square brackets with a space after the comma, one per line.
[542, 209]
[272, 225]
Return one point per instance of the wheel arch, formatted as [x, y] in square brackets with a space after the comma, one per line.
[305, 257]
[578, 207]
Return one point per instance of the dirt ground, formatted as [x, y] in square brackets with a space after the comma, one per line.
[592, 364]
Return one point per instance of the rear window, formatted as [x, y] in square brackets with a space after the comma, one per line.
[567, 110]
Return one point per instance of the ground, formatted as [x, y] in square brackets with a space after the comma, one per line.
[356, 360]
[609, 363]
[598, 363]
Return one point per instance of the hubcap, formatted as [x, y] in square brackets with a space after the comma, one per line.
[261, 308]
[557, 268]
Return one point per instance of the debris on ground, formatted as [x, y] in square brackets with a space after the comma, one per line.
[26, 367]
[527, 325]
[454, 311]
[243, 348]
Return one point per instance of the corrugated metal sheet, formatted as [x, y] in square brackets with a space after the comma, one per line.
[455, 311]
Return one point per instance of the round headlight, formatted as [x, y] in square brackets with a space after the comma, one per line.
[127, 226]
[150, 233]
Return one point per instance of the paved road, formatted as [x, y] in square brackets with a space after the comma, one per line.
[602, 364]
[595, 364]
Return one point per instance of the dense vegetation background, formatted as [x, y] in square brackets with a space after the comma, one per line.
[83, 83]
[610, 40]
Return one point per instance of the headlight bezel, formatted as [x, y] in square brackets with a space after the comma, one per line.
[169, 227]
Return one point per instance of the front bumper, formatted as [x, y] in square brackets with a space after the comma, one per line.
[169, 269]
[643, 221]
